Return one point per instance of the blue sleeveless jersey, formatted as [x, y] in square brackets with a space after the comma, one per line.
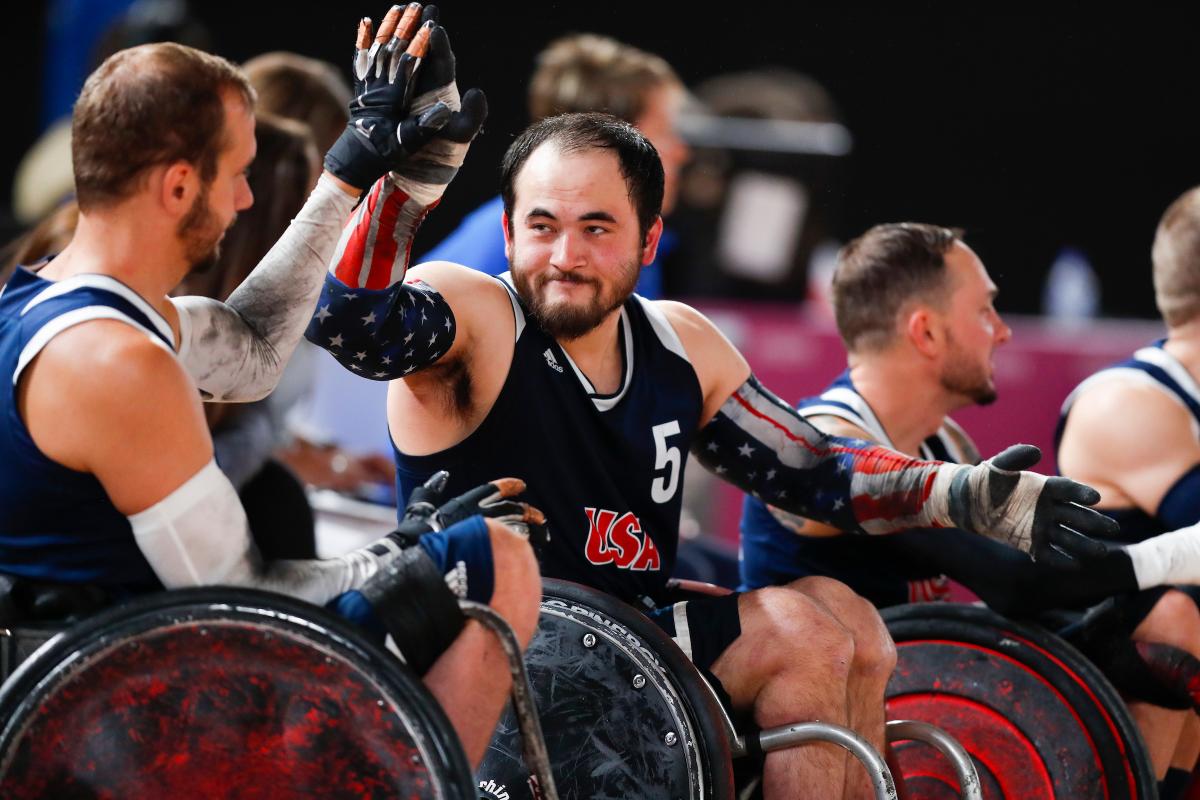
[1155, 366]
[876, 567]
[606, 470]
[57, 524]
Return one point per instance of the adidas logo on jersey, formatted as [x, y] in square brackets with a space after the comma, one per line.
[551, 361]
[618, 539]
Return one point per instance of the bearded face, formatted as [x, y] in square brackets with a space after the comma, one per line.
[201, 231]
[564, 318]
[968, 375]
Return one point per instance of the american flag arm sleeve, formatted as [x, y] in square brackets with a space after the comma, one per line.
[764, 447]
[382, 334]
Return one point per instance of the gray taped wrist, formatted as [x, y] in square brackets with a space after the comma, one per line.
[958, 504]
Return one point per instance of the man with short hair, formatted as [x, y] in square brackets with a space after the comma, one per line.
[107, 475]
[914, 306]
[593, 395]
[1147, 469]
[588, 72]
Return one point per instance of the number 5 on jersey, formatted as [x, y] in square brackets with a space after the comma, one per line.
[667, 458]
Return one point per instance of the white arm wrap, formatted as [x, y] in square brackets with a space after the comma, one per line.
[236, 351]
[198, 536]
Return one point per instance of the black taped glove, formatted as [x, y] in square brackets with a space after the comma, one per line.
[382, 132]
[1043, 516]
[492, 500]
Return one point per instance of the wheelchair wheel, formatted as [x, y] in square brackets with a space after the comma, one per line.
[1039, 720]
[624, 713]
[221, 692]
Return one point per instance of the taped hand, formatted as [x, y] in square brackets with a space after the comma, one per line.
[1043, 516]
[383, 132]
[493, 500]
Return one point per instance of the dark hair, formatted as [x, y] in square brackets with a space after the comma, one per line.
[881, 271]
[149, 105]
[304, 89]
[588, 72]
[640, 165]
[280, 177]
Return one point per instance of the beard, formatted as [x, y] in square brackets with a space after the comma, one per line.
[967, 377]
[565, 320]
[201, 233]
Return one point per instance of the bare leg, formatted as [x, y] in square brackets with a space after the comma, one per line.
[791, 664]
[874, 660]
[471, 679]
[1174, 620]
[1188, 749]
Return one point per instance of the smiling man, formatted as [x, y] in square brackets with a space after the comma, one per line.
[592, 395]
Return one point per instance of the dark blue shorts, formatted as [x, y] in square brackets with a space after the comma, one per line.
[704, 626]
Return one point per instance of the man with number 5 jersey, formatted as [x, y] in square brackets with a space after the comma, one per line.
[558, 374]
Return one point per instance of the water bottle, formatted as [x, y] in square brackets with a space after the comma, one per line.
[1072, 291]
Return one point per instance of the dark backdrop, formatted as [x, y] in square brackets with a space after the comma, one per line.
[1031, 131]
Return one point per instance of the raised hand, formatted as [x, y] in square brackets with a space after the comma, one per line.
[383, 131]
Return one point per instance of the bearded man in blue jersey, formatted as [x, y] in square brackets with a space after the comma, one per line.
[592, 396]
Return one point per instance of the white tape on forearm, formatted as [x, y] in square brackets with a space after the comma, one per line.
[236, 351]
[1169, 558]
[198, 536]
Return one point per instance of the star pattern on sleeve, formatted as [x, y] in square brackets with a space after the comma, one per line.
[755, 467]
[382, 334]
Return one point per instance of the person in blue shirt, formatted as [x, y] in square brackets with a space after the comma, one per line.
[588, 72]
[1147, 469]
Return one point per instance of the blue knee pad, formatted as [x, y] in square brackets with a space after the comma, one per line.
[466, 547]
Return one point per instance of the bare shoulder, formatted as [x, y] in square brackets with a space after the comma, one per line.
[720, 368]
[101, 391]
[693, 328]
[480, 303]
[454, 281]
[1127, 420]
[124, 374]
[1130, 440]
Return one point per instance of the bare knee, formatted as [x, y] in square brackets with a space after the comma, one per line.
[799, 634]
[517, 588]
[1174, 620]
[874, 650]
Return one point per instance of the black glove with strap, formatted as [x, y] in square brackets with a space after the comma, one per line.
[382, 132]
[493, 500]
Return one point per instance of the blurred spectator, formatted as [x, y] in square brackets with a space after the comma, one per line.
[49, 236]
[587, 72]
[44, 179]
[245, 436]
[296, 87]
